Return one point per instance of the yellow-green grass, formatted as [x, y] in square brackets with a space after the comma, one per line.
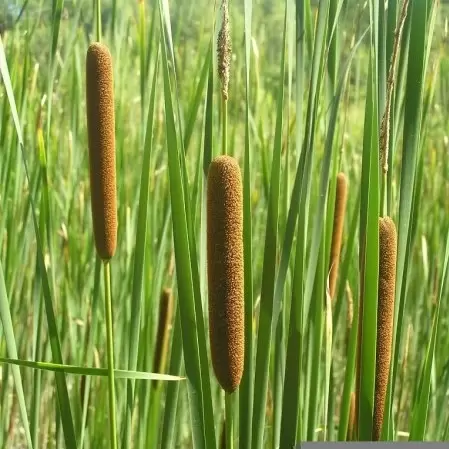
[293, 122]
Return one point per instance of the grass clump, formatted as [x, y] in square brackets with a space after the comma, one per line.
[322, 95]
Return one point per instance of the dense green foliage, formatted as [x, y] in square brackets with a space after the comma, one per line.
[308, 92]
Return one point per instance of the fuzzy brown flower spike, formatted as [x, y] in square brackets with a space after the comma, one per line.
[225, 270]
[101, 129]
[385, 311]
[339, 219]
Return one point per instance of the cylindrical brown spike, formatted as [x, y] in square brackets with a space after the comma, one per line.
[339, 219]
[225, 270]
[385, 312]
[101, 136]
[163, 330]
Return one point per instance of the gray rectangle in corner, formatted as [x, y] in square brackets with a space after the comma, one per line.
[372, 445]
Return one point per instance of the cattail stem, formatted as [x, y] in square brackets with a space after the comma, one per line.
[383, 195]
[224, 103]
[110, 352]
[228, 420]
[98, 19]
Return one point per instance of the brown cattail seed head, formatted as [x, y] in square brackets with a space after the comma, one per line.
[101, 129]
[339, 219]
[224, 50]
[165, 318]
[385, 311]
[225, 270]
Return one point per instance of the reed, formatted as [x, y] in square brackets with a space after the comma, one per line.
[385, 312]
[337, 233]
[338, 86]
[101, 138]
[225, 278]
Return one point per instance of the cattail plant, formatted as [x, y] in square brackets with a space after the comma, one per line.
[385, 312]
[339, 218]
[225, 276]
[163, 332]
[101, 138]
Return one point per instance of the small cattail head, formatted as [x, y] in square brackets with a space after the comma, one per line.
[225, 270]
[339, 219]
[163, 331]
[224, 50]
[385, 312]
[101, 136]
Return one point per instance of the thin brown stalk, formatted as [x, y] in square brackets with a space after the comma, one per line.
[386, 118]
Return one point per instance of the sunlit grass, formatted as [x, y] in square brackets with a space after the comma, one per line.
[308, 89]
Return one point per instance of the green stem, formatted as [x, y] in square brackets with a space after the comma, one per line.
[383, 195]
[228, 412]
[224, 141]
[98, 19]
[110, 350]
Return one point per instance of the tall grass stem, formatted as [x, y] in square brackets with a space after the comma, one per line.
[98, 19]
[224, 140]
[110, 351]
[229, 422]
